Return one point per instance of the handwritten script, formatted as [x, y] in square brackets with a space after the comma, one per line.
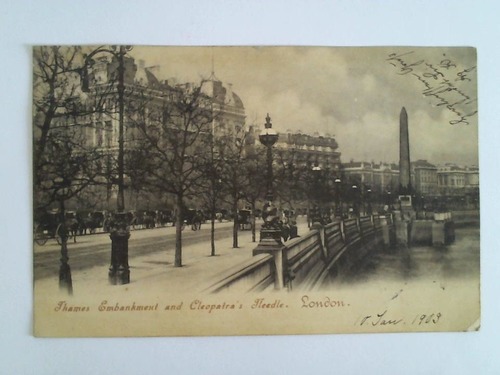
[445, 81]
[385, 318]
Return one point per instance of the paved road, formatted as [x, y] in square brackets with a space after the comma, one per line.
[94, 250]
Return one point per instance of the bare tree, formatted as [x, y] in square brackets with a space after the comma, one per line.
[172, 135]
[65, 169]
[58, 96]
[65, 162]
[212, 191]
[255, 188]
[235, 180]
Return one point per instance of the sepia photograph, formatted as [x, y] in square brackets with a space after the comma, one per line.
[234, 187]
[254, 190]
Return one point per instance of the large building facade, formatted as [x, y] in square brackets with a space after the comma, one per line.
[306, 150]
[145, 100]
[379, 177]
[424, 177]
[453, 179]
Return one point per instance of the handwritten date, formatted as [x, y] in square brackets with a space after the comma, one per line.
[426, 319]
[386, 319]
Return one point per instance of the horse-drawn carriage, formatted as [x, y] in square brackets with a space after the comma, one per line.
[50, 224]
[147, 219]
[92, 221]
[192, 217]
[163, 217]
[142, 219]
[223, 215]
[245, 219]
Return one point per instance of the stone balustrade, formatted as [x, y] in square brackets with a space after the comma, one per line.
[324, 253]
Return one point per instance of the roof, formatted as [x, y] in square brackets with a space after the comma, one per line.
[352, 164]
[422, 164]
[301, 139]
[222, 93]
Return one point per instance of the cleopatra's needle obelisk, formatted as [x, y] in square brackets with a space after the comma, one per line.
[404, 154]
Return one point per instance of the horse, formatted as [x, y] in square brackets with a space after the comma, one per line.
[73, 227]
[89, 223]
[148, 220]
[132, 219]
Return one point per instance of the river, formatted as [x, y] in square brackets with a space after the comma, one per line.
[458, 260]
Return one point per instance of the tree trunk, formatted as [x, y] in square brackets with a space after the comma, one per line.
[212, 227]
[253, 222]
[65, 281]
[235, 224]
[178, 232]
[212, 236]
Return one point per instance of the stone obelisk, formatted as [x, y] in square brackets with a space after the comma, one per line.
[404, 154]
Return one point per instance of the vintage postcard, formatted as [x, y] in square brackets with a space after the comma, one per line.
[194, 191]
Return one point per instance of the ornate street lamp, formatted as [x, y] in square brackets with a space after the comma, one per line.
[270, 232]
[119, 272]
[268, 137]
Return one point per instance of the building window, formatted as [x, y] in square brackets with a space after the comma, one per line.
[109, 133]
[99, 134]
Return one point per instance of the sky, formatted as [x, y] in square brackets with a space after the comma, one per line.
[354, 94]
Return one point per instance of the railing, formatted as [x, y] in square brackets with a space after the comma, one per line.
[306, 260]
[303, 256]
[351, 230]
[366, 225]
[254, 274]
[334, 239]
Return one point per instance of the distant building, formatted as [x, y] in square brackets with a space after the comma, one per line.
[227, 106]
[457, 185]
[379, 177]
[307, 151]
[457, 180]
[424, 177]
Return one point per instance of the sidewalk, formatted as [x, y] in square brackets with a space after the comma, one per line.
[156, 271]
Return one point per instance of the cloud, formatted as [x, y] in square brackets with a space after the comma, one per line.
[375, 137]
[354, 93]
[437, 140]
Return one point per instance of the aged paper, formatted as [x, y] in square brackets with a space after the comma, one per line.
[192, 191]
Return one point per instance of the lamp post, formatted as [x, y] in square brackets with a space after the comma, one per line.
[119, 272]
[268, 137]
[389, 200]
[62, 191]
[355, 202]
[338, 203]
[270, 232]
[369, 201]
[317, 214]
